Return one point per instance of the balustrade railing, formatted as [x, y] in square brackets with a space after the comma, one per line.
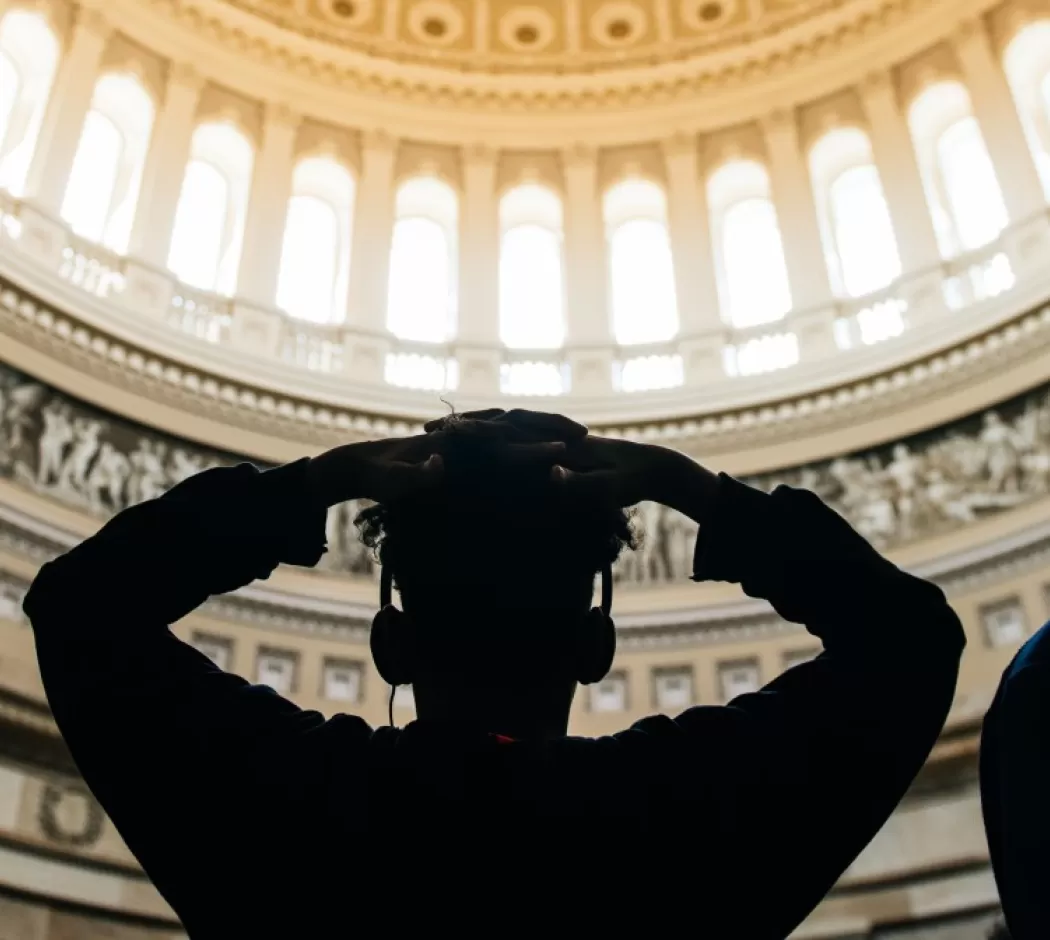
[854, 323]
[207, 316]
[92, 268]
[314, 347]
[10, 222]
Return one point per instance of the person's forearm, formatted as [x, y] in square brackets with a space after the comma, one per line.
[791, 549]
[155, 562]
[689, 488]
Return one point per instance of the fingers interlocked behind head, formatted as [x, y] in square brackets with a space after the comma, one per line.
[518, 424]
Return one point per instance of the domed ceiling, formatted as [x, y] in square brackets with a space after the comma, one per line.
[558, 36]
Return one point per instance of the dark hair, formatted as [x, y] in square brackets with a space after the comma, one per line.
[489, 517]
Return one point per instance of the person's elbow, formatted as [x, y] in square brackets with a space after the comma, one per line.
[48, 597]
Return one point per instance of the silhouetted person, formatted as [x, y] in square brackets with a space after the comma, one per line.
[255, 818]
[1015, 789]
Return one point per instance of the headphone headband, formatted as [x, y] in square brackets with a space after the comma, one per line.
[386, 588]
[607, 590]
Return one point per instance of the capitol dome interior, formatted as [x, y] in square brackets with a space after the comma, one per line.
[802, 241]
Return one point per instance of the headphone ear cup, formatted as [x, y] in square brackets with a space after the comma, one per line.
[391, 646]
[596, 647]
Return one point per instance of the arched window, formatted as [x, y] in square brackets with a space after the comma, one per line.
[10, 82]
[531, 287]
[209, 221]
[315, 255]
[641, 272]
[961, 187]
[1027, 66]
[855, 222]
[28, 59]
[749, 254]
[103, 185]
[421, 299]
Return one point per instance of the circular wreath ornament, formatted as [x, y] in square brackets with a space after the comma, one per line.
[70, 815]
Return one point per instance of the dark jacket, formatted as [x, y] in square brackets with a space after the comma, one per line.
[255, 818]
[1015, 789]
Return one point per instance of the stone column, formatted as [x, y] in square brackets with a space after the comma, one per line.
[370, 258]
[257, 325]
[701, 327]
[66, 109]
[894, 153]
[477, 334]
[268, 208]
[995, 110]
[812, 300]
[1028, 240]
[589, 318]
[165, 166]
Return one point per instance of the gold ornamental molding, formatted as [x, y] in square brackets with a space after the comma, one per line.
[441, 95]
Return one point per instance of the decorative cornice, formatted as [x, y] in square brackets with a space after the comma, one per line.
[688, 78]
[209, 394]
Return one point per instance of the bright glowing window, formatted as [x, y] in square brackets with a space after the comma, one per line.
[531, 287]
[315, 255]
[864, 238]
[641, 271]
[855, 225]
[419, 281]
[196, 244]
[31, 51]
[642, 275]
[962, 190]
[209, 222]
[308, 259]
[93, 178]
[970, 184]
[421, 294]
[749, 255]
[10, 86]
[755, 271]
[1026, 62]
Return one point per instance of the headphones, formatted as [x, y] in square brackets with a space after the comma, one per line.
[394, 653]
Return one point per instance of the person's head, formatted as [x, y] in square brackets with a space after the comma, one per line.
[496, 573]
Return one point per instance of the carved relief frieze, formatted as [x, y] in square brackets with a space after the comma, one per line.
[893, 494]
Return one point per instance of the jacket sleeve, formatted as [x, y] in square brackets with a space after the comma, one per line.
[1015, 788]
[812, 765]
[176, 751]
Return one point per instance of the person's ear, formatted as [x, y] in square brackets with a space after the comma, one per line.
[595, 646]
[392, 641]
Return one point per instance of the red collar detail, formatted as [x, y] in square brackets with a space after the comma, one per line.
[503, 739]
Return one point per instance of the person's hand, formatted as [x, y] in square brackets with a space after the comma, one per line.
[623, 473]
[526, 425]
[385, 470]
